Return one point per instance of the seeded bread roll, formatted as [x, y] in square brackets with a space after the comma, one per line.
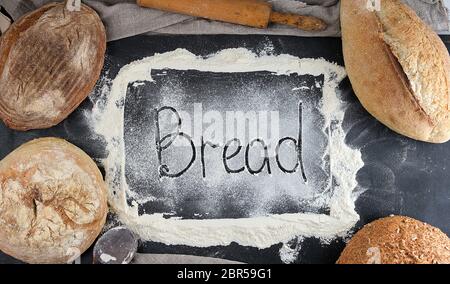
[397, 240]
[399, 68]
[50, 60]
[53, 202]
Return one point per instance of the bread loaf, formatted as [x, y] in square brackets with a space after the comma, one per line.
[53, 202]
[399, 68]
[397, 240]
[50, 61]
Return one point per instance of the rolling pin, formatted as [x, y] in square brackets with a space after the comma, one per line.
[253, 13]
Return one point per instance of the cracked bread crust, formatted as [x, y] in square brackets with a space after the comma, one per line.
[53, 202]
[397, 240]
[399, 68]
[50, 60]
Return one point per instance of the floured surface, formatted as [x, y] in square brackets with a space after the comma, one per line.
[235, 109]
[260, 230]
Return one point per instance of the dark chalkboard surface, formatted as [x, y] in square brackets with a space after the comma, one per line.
[254, 119]
[400, 176]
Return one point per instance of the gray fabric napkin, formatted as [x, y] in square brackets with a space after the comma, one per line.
[123, 18]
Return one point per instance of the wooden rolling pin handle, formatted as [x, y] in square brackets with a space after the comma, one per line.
[306, 23]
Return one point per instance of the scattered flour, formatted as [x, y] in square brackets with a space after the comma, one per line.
[107, 258]
[258, 231]
[289, 253]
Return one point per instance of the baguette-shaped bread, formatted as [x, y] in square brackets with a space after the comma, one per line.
[399, 68]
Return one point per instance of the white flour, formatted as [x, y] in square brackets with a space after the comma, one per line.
[260, 231]
[107, 258]
[289, 252]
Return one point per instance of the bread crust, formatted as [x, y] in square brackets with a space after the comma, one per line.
[50, 60]
[390, 55]
[397, 240]
[53, 202]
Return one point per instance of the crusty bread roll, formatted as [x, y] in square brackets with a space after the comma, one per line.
[397, 240]
[53, 202]
[50, 61]
[399, 68]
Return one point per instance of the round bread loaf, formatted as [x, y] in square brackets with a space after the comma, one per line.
[50, 61]
[399, 68]
[53, 202]
[397, 240]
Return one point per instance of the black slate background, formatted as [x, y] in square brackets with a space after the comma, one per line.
[400, 176]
